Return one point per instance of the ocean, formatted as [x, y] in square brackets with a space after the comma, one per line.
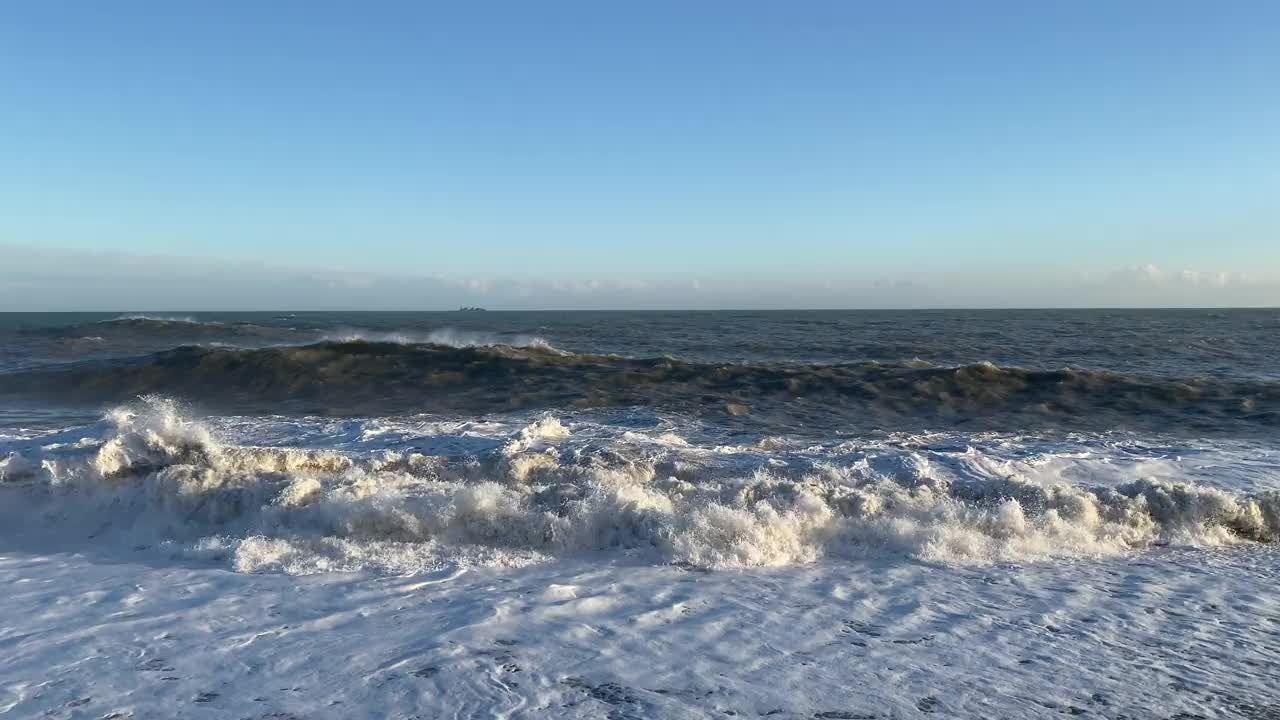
[829, 514]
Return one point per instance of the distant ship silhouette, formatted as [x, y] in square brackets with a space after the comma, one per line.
[466, 308]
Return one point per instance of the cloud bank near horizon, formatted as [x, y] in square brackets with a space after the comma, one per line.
[51, 279]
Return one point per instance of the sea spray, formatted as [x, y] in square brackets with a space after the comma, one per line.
[156, 473]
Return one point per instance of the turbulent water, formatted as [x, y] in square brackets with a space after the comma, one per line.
[402, 442]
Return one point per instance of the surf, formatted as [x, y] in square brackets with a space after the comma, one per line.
[159, 478]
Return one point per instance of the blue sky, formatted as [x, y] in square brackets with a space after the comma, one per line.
[784, 146]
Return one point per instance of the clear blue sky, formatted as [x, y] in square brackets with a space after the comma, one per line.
[606, 141]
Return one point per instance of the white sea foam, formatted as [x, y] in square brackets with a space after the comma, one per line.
[15, 467]
[546, 429]
[1183, 633]
[163, 318]
[159, 475]
[445, 337]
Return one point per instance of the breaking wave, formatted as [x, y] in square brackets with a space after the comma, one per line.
[461, 373]
[446, 337]
[143, 318]
[157, 478]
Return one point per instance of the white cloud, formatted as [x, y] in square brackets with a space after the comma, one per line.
[1151, 275]
[51, 279]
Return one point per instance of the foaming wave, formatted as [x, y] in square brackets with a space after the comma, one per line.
[143, 317]
[159, 478]
[446, 337]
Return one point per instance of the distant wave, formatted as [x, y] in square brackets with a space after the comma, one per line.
[153, 330]
[158, 475]
[361, 377]
[445, 337]
[145, 318]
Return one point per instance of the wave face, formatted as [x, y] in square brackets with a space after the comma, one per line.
[511, 494]
[360, 377]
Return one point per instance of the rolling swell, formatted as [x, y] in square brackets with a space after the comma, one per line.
[364, 378]
[145, 327]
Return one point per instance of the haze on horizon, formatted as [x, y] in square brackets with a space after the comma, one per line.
[584, 155]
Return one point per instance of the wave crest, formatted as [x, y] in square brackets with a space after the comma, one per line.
[446, 337]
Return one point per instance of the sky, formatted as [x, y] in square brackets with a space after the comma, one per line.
[248, 155]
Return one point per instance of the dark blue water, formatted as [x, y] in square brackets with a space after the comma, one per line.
[1199, 371]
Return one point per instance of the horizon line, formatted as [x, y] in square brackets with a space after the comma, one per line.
[1043, 308]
